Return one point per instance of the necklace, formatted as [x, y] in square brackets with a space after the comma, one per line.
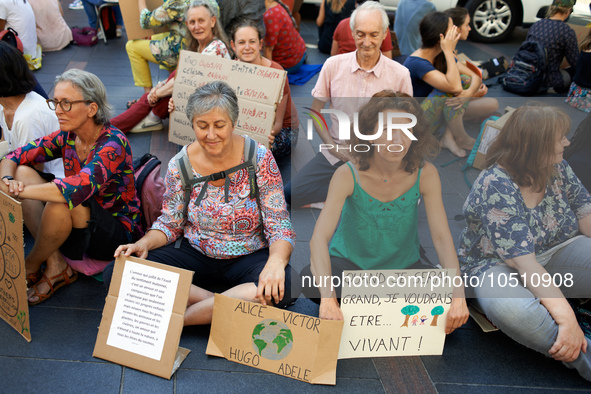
[85, 149]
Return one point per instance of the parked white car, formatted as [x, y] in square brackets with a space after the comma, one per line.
[491, 20]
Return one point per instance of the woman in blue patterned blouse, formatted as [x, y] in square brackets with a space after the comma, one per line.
[526, 245]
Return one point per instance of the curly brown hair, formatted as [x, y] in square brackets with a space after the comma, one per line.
[426, 144]
[527, 142]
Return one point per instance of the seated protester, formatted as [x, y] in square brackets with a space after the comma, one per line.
[24, 115]
[90, 10]
[523, 216]
[579, 94]
[437, 75]
[247, 43]
[19, 16]
[233, 10]
[283, 43]
[376, 189]
[347, 82]
[162, 49]
[226, 236]
[560, 41]
[91, 211]
[206, 37]
[409, 14]
[53, 33]
[343, 41]
[331, 13]
[578, 153]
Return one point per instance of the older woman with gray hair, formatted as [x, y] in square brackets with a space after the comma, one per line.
[228, 235]
[94, 208]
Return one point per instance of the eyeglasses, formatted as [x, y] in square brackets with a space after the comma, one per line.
[65, 104]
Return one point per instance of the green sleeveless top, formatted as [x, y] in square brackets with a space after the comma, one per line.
[378, 235]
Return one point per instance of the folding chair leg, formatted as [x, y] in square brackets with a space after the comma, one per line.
[100, 23]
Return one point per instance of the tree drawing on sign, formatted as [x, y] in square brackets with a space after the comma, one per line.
[409, 310]
[438, 310]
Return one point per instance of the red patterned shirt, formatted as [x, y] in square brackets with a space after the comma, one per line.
[289, 46]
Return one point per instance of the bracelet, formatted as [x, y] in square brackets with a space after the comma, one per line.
[8, 177]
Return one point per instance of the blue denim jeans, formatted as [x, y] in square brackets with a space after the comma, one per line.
[521, 316]
[92, 16]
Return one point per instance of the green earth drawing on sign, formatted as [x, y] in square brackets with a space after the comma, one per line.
[272, 339]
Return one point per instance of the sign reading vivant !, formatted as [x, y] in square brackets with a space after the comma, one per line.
[275, 340]
[259, 90]
[395, 312]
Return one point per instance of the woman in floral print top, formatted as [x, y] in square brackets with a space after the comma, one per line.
[223, 238]
[91, 211]
[521, 248]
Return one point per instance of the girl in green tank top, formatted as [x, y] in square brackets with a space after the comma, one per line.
[376, 196]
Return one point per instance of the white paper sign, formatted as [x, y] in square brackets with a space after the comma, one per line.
[143, 310]
[394, 312]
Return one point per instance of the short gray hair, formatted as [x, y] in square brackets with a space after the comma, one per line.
[91, 88]
[216, 94]
[370, 6]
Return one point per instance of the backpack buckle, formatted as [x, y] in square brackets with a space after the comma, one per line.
[218, 175]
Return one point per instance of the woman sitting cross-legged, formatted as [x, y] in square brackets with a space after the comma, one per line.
[375, 198]
[206, 37]
[447, 84]
[526, 245]
[228, 235]
[91, 211]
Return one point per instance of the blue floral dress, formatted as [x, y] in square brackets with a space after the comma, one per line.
[500, 226]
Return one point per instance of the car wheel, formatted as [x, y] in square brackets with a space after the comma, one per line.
[492, 20]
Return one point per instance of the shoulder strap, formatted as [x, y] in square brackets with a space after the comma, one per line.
[353, 171]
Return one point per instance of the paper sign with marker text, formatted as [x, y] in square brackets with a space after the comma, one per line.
[395, 312]
[143, 316]
[259, 90]
[14, 308]
[275, 340]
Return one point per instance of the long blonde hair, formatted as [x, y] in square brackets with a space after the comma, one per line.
[586, 43]
[336, 5]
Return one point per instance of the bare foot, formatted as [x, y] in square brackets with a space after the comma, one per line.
[466, 142]
[448, 142]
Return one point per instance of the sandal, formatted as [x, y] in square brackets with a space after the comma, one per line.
[52, 288]
[33, 278]
[130, 103]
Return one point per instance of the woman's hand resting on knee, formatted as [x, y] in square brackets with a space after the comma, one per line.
[569, 342]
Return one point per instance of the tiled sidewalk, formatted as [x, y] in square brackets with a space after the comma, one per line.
[64, 328]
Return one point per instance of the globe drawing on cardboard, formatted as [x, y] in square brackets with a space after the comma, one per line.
[272, 339]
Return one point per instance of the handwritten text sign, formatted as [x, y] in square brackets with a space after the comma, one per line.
[286, 343]
[14, 308]
[394, 312]
[259, 90]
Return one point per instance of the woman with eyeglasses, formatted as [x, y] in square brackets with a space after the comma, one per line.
[94, 208]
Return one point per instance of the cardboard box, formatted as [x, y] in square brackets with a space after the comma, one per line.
[259, 90]
[131, 18]
[489, 134]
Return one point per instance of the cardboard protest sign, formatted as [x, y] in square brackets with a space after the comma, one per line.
[143, 316]
[492, 128]
[131, 18]
[259, 90]
[395, 312]
[275, 340]
[14, 308]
